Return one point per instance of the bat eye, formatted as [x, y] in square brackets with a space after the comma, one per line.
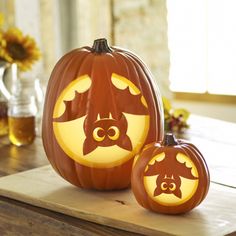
[172, 186]
[113, 133]
[99, 134]
[164, 186]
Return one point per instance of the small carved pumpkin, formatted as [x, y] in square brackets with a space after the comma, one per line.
[170, 177]
[101, 107]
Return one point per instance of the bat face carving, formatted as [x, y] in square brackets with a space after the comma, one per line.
[169, 185]
[96, 119]
[172, 174]
[106, 132]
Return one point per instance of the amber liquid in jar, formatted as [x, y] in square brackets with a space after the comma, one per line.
[3, 118]
[21, 130]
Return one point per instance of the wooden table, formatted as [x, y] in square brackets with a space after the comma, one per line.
[216, 139]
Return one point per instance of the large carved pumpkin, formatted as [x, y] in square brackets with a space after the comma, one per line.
[170, 177]
[101, 107]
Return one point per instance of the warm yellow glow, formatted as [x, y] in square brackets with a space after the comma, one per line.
[81, 84]
[96, 136]
[188, 186]
[70, 135]
[122, 83]
[116, 134]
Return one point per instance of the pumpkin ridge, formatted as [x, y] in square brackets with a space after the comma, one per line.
[57, 73]
[125, 58]
[50, 94]
[65, 71]
[195, 152]
[129, 65]
[192, 147]
[124, 61]
[82, 61]
[76, 176]
[120, 59]
[155, 94]
[92, 174]
[110, 85]
[68, 66]
[137, 72]
[80, 73]
[203, 181]
[154, 89]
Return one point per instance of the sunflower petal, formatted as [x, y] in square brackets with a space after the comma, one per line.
[19, 49]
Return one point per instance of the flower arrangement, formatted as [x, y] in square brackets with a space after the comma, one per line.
[17, 48]
[175, 119]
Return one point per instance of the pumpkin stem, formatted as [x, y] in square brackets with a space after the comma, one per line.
[101, 46]
[170, 140]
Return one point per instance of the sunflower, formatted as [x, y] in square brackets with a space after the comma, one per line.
[2, 45]
[2, 41]
[19, 49]
[1, 19]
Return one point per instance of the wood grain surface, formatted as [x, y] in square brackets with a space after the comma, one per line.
[15, 159]
[42, 187]
[20, 219]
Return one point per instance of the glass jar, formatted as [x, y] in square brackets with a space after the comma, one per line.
[21, 119]
[3, 117]
[28, 84]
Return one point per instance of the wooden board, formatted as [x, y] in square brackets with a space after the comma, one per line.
[216, 140]
[44, 188]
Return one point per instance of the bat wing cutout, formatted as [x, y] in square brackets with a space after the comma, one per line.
[177, 193]
[183, 170]
[125, 143]
[75, 108]
[129, 103]
[170, 167]
[154, 169]
[157, 191]
[89, 146]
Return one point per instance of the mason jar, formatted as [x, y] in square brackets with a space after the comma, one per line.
[21, 119]
[3, 116]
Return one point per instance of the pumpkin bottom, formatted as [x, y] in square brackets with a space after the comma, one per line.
[170, 210]
[115, 178]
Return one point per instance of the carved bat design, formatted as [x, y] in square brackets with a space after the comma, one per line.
[103, 105]
[169, 185]
[75, 108]
[169, 171]
[124, 102]
[106, 132]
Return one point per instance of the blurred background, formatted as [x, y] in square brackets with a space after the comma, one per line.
[189, 45]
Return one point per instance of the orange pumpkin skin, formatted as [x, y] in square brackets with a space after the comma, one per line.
[170, 177]
[118, 93]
